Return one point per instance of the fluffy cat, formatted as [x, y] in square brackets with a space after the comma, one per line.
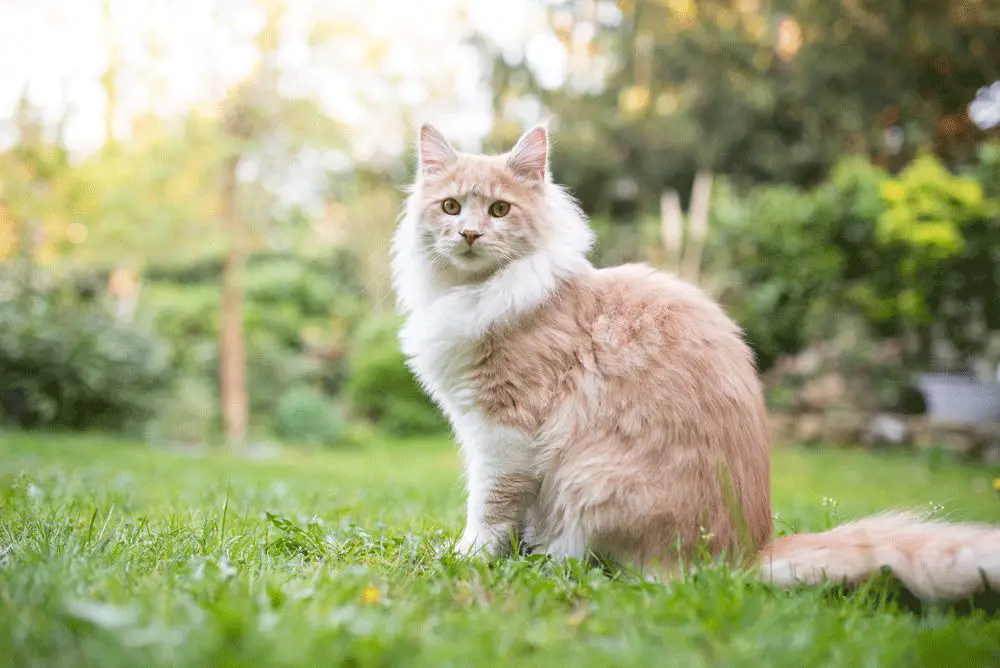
[614, 412]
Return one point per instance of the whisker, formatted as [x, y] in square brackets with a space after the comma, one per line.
[381, 300]
[382, 272]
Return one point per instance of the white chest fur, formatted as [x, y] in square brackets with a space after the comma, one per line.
[442, 356]
[442, 362]
[442, 352]
[443, 328]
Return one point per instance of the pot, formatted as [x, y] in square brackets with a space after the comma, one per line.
[960, 399]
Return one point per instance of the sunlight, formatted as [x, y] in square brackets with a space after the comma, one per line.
[173, 55]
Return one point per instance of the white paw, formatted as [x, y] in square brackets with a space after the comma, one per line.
[482, 543]
[568, 545]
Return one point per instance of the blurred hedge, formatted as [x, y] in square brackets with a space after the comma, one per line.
[913, 257]
[67, 364]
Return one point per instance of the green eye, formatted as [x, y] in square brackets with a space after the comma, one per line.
[499, 209]
[451, 206]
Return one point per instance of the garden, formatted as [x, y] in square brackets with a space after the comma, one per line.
[212, 451]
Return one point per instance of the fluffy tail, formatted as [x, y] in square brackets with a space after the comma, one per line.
[934, 560]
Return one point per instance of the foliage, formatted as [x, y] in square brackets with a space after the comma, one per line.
[927, 207]
[987, 168]
[34, 173]
[815, 106]
[306, 417]
[912, 256]
[299, 313]
[625, 240]
[780, 303]
[71, 365]
[86, 210]
[933, 272]
[188, 414]
[759, 91]
[381, 388]
[161, 558]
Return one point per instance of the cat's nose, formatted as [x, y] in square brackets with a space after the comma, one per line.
[470, 236]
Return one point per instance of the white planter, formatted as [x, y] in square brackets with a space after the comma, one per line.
[954, 398]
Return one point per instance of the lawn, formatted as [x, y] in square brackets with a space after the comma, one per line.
[115, 554]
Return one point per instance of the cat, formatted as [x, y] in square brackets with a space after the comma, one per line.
[610, 412]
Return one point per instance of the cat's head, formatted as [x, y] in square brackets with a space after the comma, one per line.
[477, 213]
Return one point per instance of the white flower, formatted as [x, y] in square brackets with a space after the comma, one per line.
[984, 111]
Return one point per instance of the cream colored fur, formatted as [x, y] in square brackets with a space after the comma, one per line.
[615, 411]
[935, 560]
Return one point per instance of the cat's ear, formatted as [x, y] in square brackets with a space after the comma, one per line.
[434, 151]
[529, 158]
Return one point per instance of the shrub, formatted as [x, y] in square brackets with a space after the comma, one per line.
[188, 414]
[912, 256]
[381, 388]
[942, 230]
[75, 366]
[777, 264]
[299, 314]
[307, 417]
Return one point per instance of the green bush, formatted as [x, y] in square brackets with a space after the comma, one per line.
[307, 417]
[69, 365]
[942, 232]
[777, 261]
[188, 414]
[913, 257]
[381, 388]
[187, 316]
[299, 314]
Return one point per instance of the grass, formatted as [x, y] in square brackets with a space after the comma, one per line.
[114, 554]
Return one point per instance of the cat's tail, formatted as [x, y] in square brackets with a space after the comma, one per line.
[934, 560]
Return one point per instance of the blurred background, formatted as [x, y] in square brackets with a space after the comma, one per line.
[196, 199]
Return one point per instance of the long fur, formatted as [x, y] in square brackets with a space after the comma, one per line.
[610, 411]
[934, 560]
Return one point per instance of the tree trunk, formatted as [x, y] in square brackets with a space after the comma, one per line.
[701, 195]
[232, 354]
[684, 250]
[672, 229]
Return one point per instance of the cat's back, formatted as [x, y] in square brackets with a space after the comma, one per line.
[643, 318]
[627, 336]
[638, 291]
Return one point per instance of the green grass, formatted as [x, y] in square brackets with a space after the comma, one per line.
[121, 555]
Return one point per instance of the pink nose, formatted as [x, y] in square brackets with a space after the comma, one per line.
[470, 236]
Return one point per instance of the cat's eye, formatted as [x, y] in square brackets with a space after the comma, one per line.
[499, 209]
[451, 206]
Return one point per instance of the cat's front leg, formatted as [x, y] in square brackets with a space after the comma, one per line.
[497, 504]
[502, 484]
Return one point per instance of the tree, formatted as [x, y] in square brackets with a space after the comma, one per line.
[34, 173]
[761, 90]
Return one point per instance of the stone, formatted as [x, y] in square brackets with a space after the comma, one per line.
[959, 439]
[809, 428]
[887, 429]
[823, 392]
[921, 434]
[844, 428]
[990, 435]
[990, 455]
[989, 431]
[782, 427]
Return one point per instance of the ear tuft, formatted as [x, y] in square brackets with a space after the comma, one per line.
[435, 153]
[529, 158]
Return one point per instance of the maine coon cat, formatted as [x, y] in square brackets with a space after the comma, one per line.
[614, 412]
